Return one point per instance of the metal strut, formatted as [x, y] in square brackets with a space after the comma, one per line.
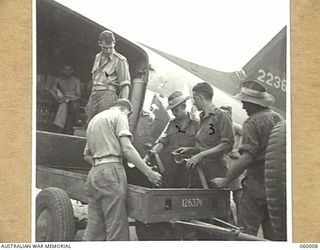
[233, 233]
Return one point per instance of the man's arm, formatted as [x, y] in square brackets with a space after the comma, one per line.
[124, 93]
[54, 90]
[236, 169]
[160, 143]
[186, 151]
[219, 150]
[155, 149]
[123, 78]
[225, 128]
[133, 156]
[87, 155]
[88, 158]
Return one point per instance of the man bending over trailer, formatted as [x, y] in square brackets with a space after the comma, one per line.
[108, 141]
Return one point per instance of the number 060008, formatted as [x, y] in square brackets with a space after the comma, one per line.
[192, 202]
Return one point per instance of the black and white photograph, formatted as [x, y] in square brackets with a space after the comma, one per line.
[161, 121]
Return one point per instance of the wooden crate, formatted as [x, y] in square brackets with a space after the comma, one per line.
[150, 205]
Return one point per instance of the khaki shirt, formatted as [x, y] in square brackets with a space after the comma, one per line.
[70, 87]
[114, 71]
[103, 134]
[176, 135]
[256, 132]
[215, 128]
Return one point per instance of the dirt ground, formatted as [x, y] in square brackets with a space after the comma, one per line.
[133, 235]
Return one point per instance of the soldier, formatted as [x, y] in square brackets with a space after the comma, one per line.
[180, 132]
[256, 130]
[110, 76]
[67, 92]
[214, 138]
[108, 141]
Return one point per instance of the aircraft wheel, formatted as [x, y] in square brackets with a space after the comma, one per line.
[275, 180]
[54, 216]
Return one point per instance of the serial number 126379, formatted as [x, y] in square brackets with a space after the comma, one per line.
[192, 202]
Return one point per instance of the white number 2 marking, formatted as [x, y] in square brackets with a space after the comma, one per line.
[263, 74]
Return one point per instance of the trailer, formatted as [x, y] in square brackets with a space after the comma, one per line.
[61, 173]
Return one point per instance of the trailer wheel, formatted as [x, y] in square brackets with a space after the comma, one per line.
[275, 180]
[54, 216]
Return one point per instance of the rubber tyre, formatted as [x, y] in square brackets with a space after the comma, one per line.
[55, 220]
[275, 180]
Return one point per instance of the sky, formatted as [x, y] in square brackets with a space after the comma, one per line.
[219, 34]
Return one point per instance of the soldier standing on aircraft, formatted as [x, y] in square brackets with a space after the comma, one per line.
[256, 130]
[110, 76]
